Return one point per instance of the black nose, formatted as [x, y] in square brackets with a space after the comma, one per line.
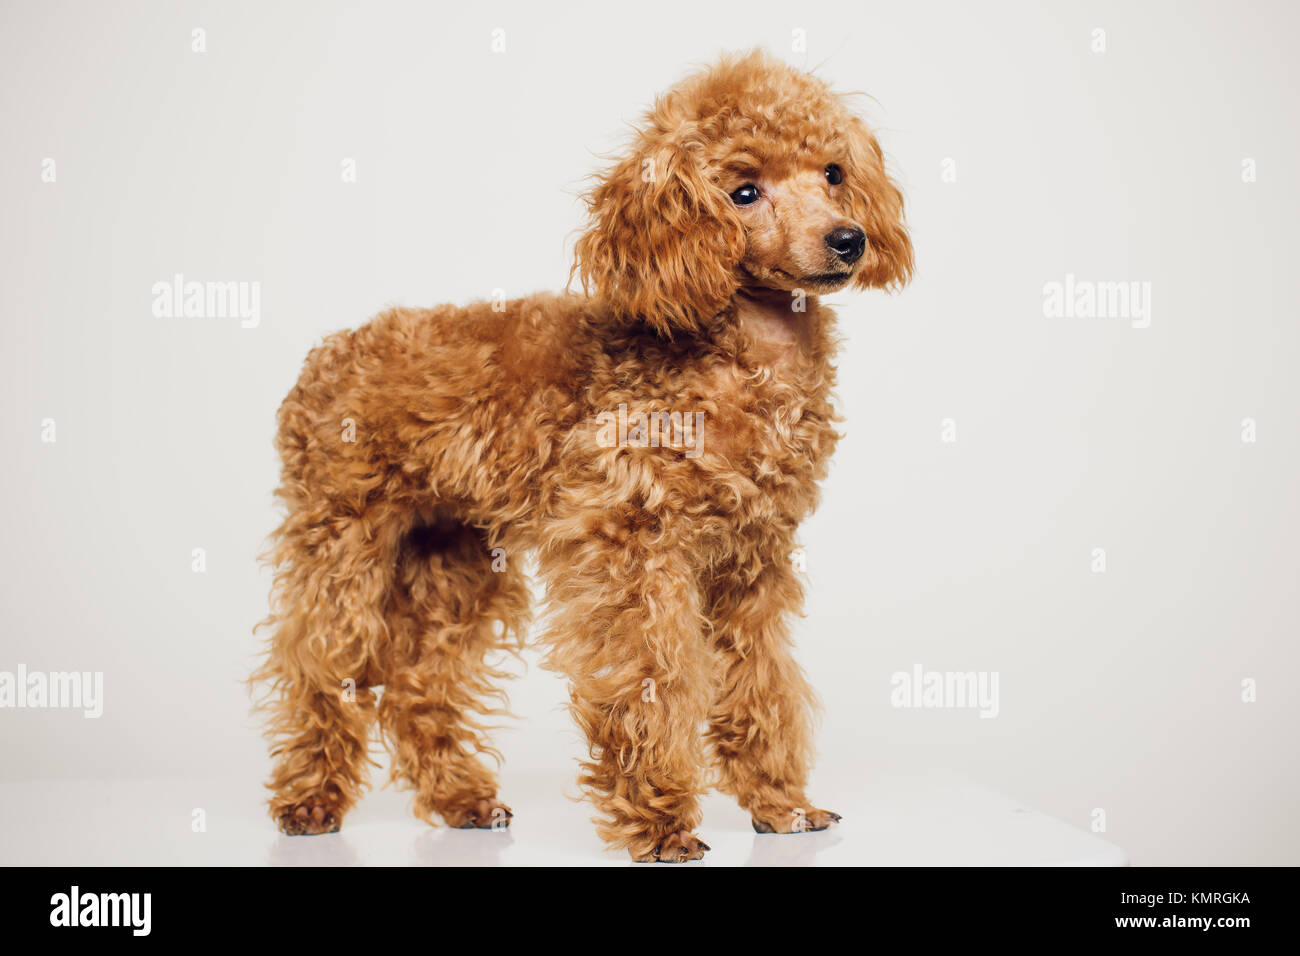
[848, 244]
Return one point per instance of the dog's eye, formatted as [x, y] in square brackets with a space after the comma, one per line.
[834, 175]
[745, 195]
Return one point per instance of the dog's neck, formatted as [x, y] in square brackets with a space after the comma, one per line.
[776, 329]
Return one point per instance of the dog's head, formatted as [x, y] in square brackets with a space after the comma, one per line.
[749, 174]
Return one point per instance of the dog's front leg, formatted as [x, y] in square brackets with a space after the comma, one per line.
[627, 633]
[760, 723]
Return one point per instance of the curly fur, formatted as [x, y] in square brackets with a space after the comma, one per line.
[668, 576]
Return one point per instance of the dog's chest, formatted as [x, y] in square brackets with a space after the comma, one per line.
[761, 422]
[770, 415]
[745, 421]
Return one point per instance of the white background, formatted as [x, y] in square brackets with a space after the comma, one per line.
[1119, 691]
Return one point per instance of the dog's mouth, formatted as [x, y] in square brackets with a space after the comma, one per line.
[827, 278]
[818, 281]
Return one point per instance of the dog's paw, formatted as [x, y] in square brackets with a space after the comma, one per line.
[679, 847]
[796, 820]
[309, 820]
[484, 813]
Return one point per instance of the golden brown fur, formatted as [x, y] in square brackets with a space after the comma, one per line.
[668, 576]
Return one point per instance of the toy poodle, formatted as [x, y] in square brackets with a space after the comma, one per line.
[654, 442]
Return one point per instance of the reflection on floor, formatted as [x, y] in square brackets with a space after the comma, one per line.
[921, 819]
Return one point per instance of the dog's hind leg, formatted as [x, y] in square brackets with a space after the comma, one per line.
[455, 605]
[334, 575]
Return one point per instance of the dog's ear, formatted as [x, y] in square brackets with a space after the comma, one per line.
[663, 242]
[877, 205]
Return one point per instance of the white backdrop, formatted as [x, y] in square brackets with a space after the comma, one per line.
[990, 450]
